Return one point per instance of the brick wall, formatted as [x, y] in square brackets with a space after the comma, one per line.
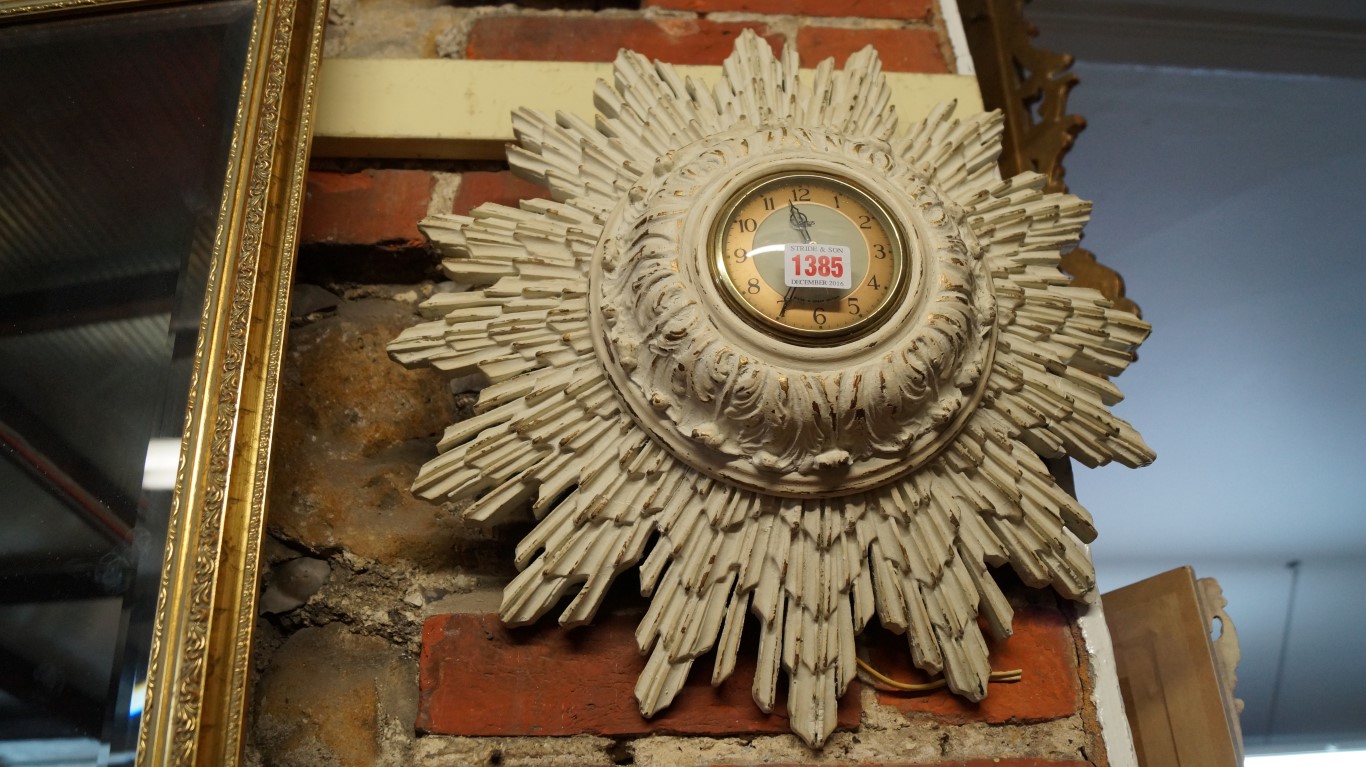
[910, 34]
[397, 656]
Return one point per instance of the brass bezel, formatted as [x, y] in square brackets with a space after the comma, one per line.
[762, 322]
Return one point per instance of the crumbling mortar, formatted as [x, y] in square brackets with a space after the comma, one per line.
[443, 193]
[395, 29]
[576, 751]
[784, 24]
[354, 596]
[790, 24]
[408, 294]
[391, 600]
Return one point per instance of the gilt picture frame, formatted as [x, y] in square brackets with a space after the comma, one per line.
[193, 702]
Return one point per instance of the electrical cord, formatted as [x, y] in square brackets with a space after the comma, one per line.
[885, 682]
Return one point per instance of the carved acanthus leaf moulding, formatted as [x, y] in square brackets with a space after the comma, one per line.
[777, 418]
[809, 488]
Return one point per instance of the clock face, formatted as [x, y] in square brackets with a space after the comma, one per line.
[809, 257]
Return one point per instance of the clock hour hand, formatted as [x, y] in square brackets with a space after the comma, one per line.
[800, 222]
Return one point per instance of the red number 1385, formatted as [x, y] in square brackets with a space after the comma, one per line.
[817, 266]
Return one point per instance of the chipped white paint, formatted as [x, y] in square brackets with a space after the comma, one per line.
[958, 39]
[625, 403]
[1105, 693]
[444, 190]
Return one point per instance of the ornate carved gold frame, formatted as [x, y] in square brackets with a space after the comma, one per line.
[200, 661]
[1030, 85]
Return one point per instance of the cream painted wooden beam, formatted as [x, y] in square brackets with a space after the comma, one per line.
[452, 109]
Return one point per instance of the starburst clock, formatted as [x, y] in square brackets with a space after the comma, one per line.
[793, 363]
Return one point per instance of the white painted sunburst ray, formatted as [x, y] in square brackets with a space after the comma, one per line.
[556, 427]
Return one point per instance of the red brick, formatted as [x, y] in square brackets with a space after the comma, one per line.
[902, 50]
[502, 187]
[479, 678]
[365, 208]
[594, 38]
[868, 9]
[1042, 646]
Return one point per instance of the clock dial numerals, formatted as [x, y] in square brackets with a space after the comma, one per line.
[759, 225]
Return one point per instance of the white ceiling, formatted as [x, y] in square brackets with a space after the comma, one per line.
[1231, 197]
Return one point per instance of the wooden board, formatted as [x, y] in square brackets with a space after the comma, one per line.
[1168, 674]
[457, 109]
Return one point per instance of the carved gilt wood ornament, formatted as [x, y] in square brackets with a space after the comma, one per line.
[765, 437]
